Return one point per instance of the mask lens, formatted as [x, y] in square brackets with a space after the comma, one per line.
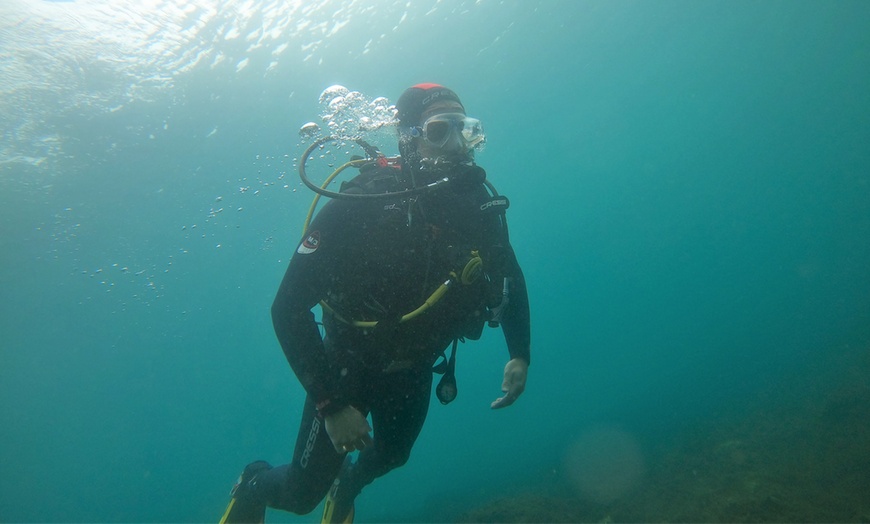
[437, 131]
[456, 129]
[472, 132]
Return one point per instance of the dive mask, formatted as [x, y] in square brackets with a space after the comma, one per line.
[452, 131]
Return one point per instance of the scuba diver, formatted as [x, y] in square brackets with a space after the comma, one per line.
[407, 259]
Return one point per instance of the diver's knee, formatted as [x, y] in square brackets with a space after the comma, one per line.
[397, 460]
[298, 504]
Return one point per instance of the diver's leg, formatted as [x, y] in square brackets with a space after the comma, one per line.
[397, 419]
[244, 506]
[299, 486]
[399, 405]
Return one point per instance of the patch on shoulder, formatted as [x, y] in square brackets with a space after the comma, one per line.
[310, 244]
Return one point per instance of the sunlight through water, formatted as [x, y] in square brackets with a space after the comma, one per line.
[59, 58]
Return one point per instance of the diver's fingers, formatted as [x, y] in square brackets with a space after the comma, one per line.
[503, 402]
[514, 383]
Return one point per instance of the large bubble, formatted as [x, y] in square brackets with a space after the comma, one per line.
[309, 130]
[348, 115]
[331, 93]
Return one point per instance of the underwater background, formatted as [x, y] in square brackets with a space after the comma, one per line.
[690, 202]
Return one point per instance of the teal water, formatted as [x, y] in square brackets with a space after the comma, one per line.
[690, 188]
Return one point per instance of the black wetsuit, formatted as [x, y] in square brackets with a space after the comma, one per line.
[377, 260]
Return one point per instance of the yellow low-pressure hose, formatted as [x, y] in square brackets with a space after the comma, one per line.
[330, 178]
[429, 302]
[471, 271]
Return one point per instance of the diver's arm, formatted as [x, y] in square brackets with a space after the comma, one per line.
[517, 331]
[515, 321]
[303, 286]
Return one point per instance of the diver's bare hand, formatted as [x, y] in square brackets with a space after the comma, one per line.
[348, 430]
[514, 383]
